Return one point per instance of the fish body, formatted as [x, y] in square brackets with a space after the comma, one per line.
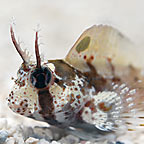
[97, 89]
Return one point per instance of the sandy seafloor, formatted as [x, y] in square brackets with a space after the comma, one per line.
[61, 22]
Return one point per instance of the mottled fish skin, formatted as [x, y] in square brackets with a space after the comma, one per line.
[91, 90]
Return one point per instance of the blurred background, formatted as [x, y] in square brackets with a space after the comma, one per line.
[60, 22]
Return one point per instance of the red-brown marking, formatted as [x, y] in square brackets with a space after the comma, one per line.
[25, 100]
[18, 110]
[85, 57]
[92, 57]
[88, 104]
[103, 107]
[26, 105]
[36, 108]
[72, 100]
[46, 102]
[72, 95]
[21, 103]
[12, 92]
[55, 102]
[93, 109]
[76, 89]
[24, 109]
[79, 101]
[94, 78]
[91, 105]
[78, 96]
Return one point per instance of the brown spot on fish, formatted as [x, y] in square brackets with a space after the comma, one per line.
[103, 107]
[85, 57]
[88, 104]
[21, 103]
[78, 96]
[94, 78]
[45, 102]
[92, 57]
[141, 117]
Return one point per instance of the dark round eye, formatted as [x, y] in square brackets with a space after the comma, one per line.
[40, 77]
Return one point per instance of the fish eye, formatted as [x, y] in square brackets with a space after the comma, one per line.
[40, 77]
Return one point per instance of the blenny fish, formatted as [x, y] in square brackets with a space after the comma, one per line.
[96, 90]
